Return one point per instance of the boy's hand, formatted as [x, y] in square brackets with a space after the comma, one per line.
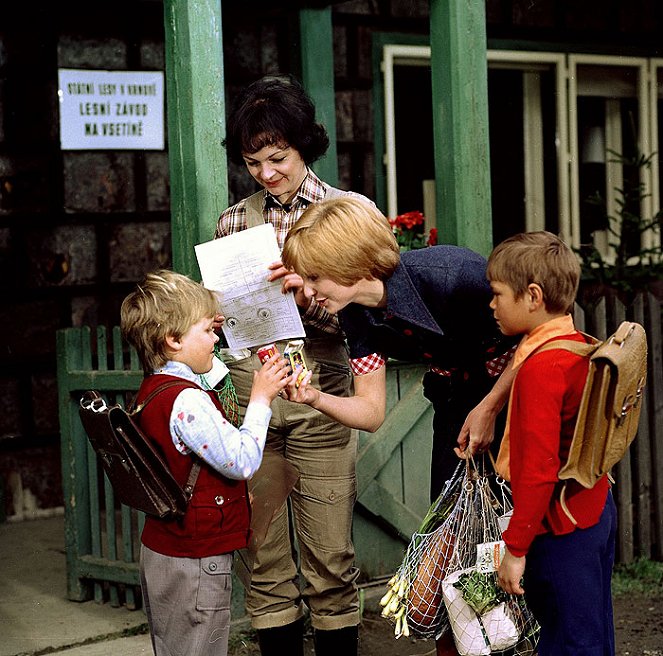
[291, 283]
[511, 572]
[270, 379]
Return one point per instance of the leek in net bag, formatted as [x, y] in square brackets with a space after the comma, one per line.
[448, 579]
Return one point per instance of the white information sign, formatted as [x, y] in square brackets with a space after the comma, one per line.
[111, 110]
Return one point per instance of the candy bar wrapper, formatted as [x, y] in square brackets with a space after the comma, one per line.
[294, 352]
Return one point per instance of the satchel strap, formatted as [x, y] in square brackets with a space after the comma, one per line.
[197, 463]
[157, 390]
[579, 348]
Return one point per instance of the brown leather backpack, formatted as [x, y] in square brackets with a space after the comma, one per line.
[610, 407]
[138, 473]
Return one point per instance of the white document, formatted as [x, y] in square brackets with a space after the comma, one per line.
[235, 268]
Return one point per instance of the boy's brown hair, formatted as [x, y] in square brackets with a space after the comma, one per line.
[343, 239]
[164, 304]
[541, 258]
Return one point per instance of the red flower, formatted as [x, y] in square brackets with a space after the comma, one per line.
[409, 220]
[409, 231]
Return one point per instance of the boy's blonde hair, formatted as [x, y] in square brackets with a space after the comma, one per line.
[343, 239]
[541, 258]
[164, 304]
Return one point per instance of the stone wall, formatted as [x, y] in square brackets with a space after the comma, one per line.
[77, 228]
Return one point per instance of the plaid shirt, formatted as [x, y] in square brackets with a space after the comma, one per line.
[312, 190]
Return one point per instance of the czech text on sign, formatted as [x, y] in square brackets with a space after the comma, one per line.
[111, 110]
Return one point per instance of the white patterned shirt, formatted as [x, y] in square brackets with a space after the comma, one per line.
[197, 426]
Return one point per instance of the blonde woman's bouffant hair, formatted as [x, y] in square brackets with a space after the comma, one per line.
[165, 304]
[343, 239]
[541, 258]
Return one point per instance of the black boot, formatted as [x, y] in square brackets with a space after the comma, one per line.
[339, 642]
[282, 640]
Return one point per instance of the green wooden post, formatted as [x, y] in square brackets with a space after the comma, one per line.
[72, 347]
[317, 73]
[196, 125]
[460, 122]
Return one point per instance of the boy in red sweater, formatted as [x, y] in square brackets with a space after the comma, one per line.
[565, 564]
[185, 564]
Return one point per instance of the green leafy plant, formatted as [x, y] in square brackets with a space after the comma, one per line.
[480, 591]
[642, 575]
[629, 266]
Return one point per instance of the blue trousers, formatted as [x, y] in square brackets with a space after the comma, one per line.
[568, 588]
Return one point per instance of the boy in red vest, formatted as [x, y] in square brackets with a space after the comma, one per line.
[185, 564]
[564, 559]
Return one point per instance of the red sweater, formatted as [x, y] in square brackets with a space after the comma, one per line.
[544, 407]
[218, 516]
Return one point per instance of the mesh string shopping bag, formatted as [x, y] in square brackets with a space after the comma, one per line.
[414, 597]
[447, 580]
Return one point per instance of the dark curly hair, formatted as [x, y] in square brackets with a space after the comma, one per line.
[274, 111]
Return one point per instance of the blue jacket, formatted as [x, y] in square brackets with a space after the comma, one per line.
[437, 313]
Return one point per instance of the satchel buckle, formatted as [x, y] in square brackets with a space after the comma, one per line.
[631, 401]
[96, 404]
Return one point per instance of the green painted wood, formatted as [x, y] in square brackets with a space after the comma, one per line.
[196, 125]
[73, 452]
[101, 569]
[111, 381]
[382, 503]
[460, 123]
[393, 477]
[132, 600]
[317, 72]
[380, 445]
[96, 491]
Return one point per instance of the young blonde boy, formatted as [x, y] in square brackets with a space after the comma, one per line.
[565, 567]
[185, 564]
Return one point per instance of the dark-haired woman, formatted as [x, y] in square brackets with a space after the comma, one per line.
[272, 130]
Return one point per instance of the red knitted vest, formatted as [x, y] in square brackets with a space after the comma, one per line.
[219, 513]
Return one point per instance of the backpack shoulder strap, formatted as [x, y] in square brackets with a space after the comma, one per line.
[254, 205]
[579, 348]
[197, 463]
[157, 390]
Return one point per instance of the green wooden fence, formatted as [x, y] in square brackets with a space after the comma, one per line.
[102, 537]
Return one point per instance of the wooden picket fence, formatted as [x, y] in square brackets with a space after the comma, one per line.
[639, 476]
[102, 537]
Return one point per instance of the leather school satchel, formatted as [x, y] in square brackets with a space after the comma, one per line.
[138, 473]
[611, 402]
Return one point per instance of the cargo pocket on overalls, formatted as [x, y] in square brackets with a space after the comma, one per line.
[326, 507]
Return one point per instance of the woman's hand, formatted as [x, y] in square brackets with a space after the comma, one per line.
[478, 430]
[218, 322]
[291, 283]
[301, 393]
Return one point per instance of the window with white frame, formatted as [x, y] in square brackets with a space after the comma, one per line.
[565, 131]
